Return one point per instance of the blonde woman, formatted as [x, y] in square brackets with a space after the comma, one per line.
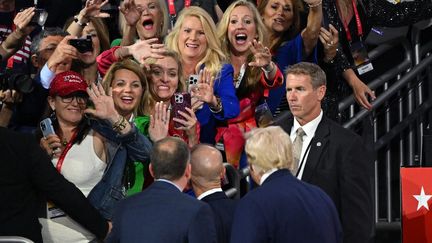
[242, 32]
[289, 44]
[194, 39]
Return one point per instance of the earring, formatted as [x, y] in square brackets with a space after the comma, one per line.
[53, 115]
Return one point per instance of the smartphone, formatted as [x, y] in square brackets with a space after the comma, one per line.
[192, 82]
[179, 102]
[82, 44]
[263, 115]
[47, 127]
[40, 17]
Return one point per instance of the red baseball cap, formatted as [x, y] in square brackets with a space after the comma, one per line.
[66, 83]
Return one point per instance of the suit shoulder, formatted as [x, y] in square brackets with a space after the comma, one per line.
[342, 132]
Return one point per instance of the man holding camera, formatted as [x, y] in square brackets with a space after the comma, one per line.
[28, 110]
[14, 31]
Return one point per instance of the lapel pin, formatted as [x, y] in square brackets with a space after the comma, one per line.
[319, 144]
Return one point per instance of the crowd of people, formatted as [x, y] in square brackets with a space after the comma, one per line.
[124, 139]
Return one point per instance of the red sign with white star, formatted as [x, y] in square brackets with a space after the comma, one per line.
[416, 205]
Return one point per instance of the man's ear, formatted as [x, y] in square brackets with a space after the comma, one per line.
[321, 92]
[223, 172]
[151, 170]
[188, 171]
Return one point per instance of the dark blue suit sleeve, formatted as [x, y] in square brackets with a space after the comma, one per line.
[114, 235]
[248, 224]
[202, 228]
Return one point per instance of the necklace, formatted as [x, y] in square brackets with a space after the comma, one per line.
[64, 142]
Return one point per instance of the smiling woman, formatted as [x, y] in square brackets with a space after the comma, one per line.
[78, 152]
[128, 83]
[194, 39]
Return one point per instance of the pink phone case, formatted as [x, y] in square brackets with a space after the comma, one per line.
[179, 102]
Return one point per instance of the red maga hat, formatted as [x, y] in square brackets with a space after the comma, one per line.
[66, 83]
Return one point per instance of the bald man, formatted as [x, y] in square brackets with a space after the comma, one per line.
[207, 172]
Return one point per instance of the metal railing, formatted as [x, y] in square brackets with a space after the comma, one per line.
[399, 117]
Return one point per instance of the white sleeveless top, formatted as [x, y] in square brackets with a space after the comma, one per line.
[83, 168]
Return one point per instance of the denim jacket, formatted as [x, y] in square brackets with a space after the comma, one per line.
[120, 149]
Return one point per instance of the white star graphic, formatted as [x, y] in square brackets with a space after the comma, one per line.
[422, 199]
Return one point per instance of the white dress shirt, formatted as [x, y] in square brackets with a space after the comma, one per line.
[209, 192]
[309, 129]
[170, 182]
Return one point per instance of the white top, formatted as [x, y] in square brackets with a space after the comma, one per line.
[309, 129]
[83, 168]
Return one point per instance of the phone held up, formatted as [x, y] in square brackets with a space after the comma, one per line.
[179, 102]
[46, 127]
[82, 44]
[192, 82]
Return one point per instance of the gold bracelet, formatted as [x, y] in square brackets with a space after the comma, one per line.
[218, 107]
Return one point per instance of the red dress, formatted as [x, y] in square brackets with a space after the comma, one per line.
[233, 134]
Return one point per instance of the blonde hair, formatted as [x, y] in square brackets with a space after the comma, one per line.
[166, 24]
[150, 99]
[294, 28]
[133, 67]
[214, 57]
[269, 148]
[252, 73]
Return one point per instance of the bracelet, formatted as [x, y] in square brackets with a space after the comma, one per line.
[81, 24]
[218, 107]
[314, 5]
[119, 125]
[266, 71]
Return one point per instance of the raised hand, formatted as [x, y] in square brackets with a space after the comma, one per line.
[360, 90]
[62, 55]
[330, 40]
[189, 122]
[52, 145]
[262, 55]
[131, 12]
[103, 104]
[159, 122]
[22, 20]
[93, 8]
[204, 89]
[144, 50]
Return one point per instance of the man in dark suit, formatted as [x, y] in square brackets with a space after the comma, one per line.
[207, 172]
[26, 173]
[283, 208]
[162, 213]
[331, 157]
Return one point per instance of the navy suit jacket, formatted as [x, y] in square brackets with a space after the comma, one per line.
[339, 163]
[223, 210]
[285, 209]
[162, 213]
